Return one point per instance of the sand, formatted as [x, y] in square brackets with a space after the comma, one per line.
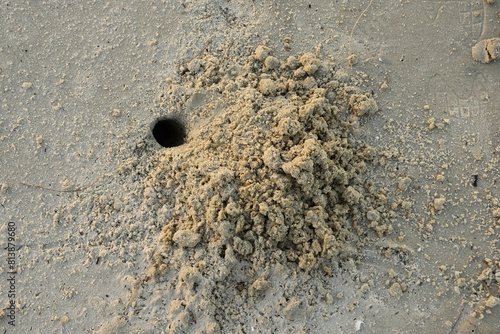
[334, 167]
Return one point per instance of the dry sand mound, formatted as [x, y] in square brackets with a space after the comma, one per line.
[275, 172]
[270, 181]
[270, 174]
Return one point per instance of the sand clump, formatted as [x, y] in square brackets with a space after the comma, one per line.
[486, 50]
[276, 173]
[271, 183]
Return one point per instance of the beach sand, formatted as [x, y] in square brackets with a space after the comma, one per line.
[322, 167]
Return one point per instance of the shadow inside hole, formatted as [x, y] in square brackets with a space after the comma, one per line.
[169, 132]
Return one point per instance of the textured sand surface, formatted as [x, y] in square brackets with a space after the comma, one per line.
[340, 171]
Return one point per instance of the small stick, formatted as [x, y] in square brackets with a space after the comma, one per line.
[131, 297]
[355, 24]
[144, 281]
[456, 322]
[471, 323]
[225, 53]
[196, 56]
[58, 190]
[487, 288]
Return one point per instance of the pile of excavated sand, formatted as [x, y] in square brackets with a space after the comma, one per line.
[274, 173]
[271, 176]
[271, 173]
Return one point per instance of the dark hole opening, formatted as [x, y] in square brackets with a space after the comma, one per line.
[474, 180]
[169, 132]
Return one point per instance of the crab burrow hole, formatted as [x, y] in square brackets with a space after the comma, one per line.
[169, 132]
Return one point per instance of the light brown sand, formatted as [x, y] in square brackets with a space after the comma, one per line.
[370, 205]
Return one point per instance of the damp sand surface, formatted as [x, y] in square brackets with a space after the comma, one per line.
[324, 167]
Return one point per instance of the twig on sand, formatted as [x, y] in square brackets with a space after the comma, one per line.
[225, 53]
[142, 284]
[456, 322]
[195, 56]
[58, 190]
[484, 282]
[354, 27]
